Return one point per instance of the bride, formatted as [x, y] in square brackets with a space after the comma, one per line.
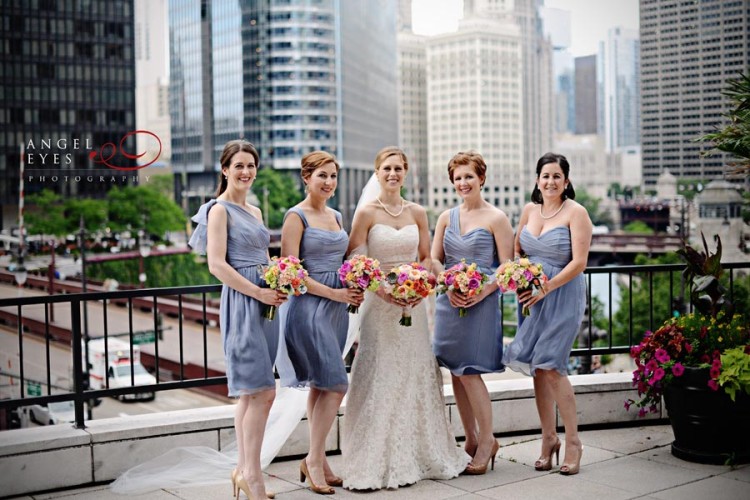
[395, 431]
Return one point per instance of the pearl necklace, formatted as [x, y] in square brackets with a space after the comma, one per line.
[551, 216]
[388, 211]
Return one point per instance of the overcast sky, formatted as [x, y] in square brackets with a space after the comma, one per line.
[590, 19]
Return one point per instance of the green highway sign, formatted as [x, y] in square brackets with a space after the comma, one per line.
[33, 389]
[145, 337]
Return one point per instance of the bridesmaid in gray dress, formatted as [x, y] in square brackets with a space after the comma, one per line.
[316, 323]
[232, 234]
[555, 231]
[477, 232]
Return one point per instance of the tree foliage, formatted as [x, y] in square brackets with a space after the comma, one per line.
[598, 217]
[162, 184]
[651, 309]
[161, 271]
[639, 227]
[94, 213]
[46, 214]
[141, 207]
[283, 194]
[734, 137]
[127, 208]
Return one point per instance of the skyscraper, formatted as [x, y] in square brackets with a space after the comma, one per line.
[586, 94]
[688, 51]
[412, 108]
[618, 96]
[68, 80]
[557, 30]
[475, 101]
[538, 96]
[291, 77]
[152, 76]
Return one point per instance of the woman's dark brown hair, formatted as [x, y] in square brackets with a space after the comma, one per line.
[231, 148]
[568, 192]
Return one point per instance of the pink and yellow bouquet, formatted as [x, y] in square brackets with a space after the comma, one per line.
[462, 278]
[519, 275]
[410, 281]
[286, 275]
[362, 272]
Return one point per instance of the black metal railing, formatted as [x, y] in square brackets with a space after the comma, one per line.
[192, 303]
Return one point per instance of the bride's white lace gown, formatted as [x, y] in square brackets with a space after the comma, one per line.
[395, 430]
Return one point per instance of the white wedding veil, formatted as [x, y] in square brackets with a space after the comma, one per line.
[370, 193]
[186, 466]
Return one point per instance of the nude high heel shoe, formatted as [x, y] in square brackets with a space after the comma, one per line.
[545, 463]
[572, 469]
[478, 470]
[242, 485]
[236, 489]
[305, 473]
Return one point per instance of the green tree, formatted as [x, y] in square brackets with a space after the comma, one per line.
[94, 214]
[734, 137]
[638, 226]
[144, 208]
[46, 214]
[282, 194]
[591, 204]
[162, 184]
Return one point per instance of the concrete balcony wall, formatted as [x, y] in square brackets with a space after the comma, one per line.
[44, 458]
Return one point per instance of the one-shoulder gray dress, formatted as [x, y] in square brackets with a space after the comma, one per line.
[544, 339]
[315, 327]
[472, 344]
[250, 341]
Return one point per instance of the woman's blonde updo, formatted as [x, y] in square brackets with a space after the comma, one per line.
[387, 152]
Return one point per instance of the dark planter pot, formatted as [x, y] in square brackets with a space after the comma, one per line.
[708, 426]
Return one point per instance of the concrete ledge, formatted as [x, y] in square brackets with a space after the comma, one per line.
[42, 458]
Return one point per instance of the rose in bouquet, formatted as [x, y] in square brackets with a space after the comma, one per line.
[286, 275]
[520, 275]
[462, 278]
[362, 272]
[408, 282]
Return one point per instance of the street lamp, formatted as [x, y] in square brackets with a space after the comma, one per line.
[82, 246]
[144, 250]
[19, 271]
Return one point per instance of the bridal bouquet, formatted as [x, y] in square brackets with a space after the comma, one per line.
[462, 278]
[410, 281]
[287, 275]
[362, 272]
[519, 275]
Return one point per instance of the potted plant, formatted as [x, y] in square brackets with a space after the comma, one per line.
[700, 363]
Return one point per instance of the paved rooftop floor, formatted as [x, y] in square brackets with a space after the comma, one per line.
[617, 464]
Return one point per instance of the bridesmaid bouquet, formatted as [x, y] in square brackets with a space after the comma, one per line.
[410, 281]
[462, 278]
[287, 275]
[520, 275]
[362, 272]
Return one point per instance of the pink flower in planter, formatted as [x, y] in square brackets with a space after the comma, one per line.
[713, 385]
[661, 356]
[678, 370]
[658, 375]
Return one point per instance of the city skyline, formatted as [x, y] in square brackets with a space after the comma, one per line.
[590, 19]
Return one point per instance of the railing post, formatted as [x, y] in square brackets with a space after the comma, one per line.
[78, 372]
